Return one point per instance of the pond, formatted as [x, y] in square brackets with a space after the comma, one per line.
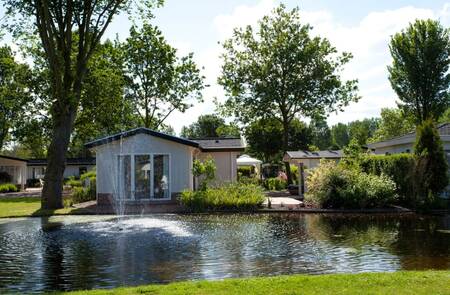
[84, 252]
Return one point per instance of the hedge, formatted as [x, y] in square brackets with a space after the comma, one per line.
[8, 188]
[398, 167]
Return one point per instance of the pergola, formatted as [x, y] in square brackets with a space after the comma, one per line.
[246, 160]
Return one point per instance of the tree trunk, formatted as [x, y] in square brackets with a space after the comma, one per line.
[56, 161]
[285, 148]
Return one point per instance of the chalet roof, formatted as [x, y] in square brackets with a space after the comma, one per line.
[327, 154]
[443, 130]
[12, 158]
[69, 161]
[205, 144]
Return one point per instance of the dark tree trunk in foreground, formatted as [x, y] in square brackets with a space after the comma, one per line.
[56, 159]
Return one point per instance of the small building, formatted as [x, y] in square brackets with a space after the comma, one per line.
[143, 165]
[15, 169]
[74, 167]
[311, 159]
[405, 143]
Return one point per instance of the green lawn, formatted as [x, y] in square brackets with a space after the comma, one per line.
[427, 282]
[27, 206]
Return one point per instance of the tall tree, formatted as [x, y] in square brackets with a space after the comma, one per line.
[340, 136]
[279, 70]
[362, 130]
[393, 122]
[67, 57]
[210, 125]
[263, 137]
[432, 165]
[103, 109]
[15, 81]
[321, 135]
[419, 73]
[159, 82]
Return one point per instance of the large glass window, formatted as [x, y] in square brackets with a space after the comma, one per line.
[143, 177]
[124, 187]
[142, 169]
[161, 176]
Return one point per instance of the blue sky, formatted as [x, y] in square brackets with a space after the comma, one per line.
[360, 27]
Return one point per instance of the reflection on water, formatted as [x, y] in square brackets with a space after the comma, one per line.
[83, 252]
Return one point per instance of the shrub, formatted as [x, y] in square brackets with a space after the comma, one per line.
[333, 186]
[205, 171]
[249, 180]
[274, 184]
[72, 182]
[87, 192]
[233, 196]
[431, 171]
[245, 171]
[398, 167]
[8, 188]
[5, 177]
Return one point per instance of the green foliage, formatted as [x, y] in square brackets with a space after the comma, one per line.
[235, 196]
[245, 171]
[278, 70]
[333, 186]
[321, 134]
[274, 184]
[393, 122]
[208, 126]
[14, 92]
[87, 191]
[398, 167]
[420, 72]
[432, 167]
[158, 82]
[263, 137]
[72, 182]
[8, 188]
[353, 153]
[205, 171]
[340, 136]
[362, 130]
[245, 180]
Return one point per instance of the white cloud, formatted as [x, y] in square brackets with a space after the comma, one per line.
[367, 40]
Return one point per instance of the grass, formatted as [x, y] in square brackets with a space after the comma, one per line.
[417, 282]
[27, 206]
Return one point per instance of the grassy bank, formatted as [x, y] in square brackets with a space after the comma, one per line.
[27, 206]
[426, 282]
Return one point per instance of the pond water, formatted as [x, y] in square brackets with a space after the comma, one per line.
[84, 252]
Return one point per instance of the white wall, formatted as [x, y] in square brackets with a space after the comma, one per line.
[226, 165]
[71, 170]
[20, 170]
[107, 160]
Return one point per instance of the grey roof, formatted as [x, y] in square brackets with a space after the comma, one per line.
[329, 154]
[207, 144]
[443, 130]
[69, 161]
[226, 143]
[140, 130]
[12, 158]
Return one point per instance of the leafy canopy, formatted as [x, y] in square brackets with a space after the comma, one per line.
[419, 73]
[210, 125]
[158, 82]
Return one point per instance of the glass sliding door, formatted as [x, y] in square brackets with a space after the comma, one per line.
[161, 177]
[124, 174]
[142, 176]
